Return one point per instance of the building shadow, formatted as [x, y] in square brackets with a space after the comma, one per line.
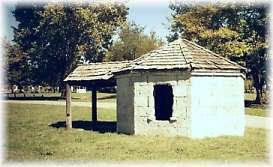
[99, 126]
[248, 103]
[34, 98]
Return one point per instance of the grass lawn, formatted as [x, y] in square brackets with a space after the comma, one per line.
[257, 111]
[250, 96]
[31, 135]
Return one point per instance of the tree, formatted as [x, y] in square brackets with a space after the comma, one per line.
[15, 65]
[255, 33]
[236, 32]
[132, 43]
[56, 37]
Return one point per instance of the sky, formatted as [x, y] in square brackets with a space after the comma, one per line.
[150, 15]
[9, 21]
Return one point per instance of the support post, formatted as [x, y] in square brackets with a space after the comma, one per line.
[94, 104]
[68, 107]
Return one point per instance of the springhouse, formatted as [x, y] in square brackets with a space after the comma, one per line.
[180, 89]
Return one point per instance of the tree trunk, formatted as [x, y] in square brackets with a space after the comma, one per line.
[12, 90]
[62, 90]
[258, 96]
[63, 93]
[256, 80]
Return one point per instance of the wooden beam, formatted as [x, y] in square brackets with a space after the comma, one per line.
[94, 104]
[68, 107]
[97, 83]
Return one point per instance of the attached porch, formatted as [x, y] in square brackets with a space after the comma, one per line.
[93, 76]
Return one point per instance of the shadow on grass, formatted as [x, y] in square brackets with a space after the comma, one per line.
[253, 104]
[99, 126]
[107, 97]
[35, 98]
[248, 103]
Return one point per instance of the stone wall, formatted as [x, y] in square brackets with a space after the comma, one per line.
[125, 103]
[145, 121]
[203, 106]
[217, 106]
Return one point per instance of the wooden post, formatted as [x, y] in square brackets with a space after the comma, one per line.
[68, 107]
[94, 104]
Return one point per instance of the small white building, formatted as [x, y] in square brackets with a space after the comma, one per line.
[78, 89]
[180, 89]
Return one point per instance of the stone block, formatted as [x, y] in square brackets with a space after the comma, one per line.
[142, 90]
[180, 90]
[162, 79]
[141, 101]
[141, 111]
[141, 80]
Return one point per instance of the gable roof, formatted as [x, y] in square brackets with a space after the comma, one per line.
[95, 71]
[183, 55]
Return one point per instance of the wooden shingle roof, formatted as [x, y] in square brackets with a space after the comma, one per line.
[182, 54]
[95, 71]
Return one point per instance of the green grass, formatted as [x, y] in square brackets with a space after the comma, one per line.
[86, 97]
[257, 111]
[250, 96]
[29, 137]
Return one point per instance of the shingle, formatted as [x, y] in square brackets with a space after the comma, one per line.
[179, 54]
[95, 71]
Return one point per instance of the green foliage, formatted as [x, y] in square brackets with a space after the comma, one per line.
[237, 32]
[15, 64]
[132, 43]
[208, 26]
[56, 37]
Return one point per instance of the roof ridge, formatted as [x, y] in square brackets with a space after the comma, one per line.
[106, 62]
[214, 54]
[187, 52]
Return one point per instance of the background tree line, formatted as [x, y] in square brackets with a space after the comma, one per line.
[132, 43]
[238, 32]
[51, 39]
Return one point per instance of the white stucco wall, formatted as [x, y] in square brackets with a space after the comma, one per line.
[203, 106]
[217, 106]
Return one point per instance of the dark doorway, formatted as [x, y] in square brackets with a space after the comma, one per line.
[163, 96]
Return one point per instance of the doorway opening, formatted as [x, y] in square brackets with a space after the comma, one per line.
[163, 97]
